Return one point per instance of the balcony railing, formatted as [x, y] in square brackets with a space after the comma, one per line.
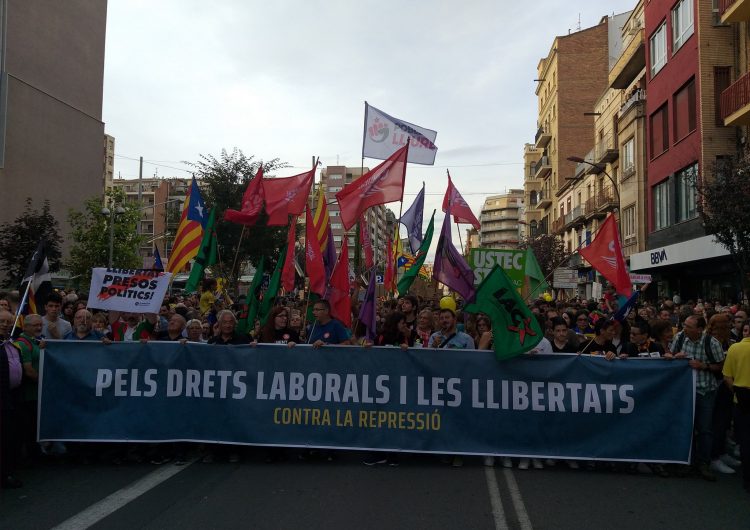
[736, 96]
[558, 224]
[607, 149]
[542, 138]
[605, 199]
[638, 96]
[542, 167]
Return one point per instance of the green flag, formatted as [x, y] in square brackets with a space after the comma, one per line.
[535, 275]
[515, 329]
[252, 302]
[273, 288]
[408, 278]
[206, 254]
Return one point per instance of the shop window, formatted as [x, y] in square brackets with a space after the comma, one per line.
[661, 205]
[686, 195]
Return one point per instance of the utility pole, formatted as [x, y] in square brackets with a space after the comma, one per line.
[140, 191]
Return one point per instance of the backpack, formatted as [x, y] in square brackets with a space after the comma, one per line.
[706, 349]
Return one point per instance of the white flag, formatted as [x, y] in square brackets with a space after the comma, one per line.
[384, 135]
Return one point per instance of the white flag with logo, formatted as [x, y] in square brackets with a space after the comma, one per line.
[384, 135]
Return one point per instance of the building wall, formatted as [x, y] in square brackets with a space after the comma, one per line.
[54, 60]
[109, 161]
[499, 220]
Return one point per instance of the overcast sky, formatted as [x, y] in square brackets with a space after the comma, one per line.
[289, 79]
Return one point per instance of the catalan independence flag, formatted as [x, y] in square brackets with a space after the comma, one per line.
[187, 242]
[322, 223]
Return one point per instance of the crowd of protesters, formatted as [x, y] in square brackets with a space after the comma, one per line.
[713, 337]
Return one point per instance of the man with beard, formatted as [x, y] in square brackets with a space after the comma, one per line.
[82, 327]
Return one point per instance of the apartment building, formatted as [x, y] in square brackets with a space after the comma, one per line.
[690, 55]
[162, 200]
[499, 220]
[570, 79]
[108, 174]
[333, 179]
[51, 128]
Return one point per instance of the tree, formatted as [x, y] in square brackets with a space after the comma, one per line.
[91, 232]
[224, 182]
[549, 250]
[19, 239]
[723, 205]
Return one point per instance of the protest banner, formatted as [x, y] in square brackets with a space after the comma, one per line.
[513, 262]
[420, 400]
[132, 290]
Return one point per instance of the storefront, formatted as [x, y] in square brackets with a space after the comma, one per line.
[698, 268]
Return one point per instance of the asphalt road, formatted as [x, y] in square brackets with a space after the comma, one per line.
[421, 493]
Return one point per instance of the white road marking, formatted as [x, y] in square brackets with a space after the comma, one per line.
[518, 505]
[108, 505]
[501, 523]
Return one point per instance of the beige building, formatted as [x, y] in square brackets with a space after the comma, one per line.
[570, 79]
[109, 161]
[51, 128]
[162, 200]
[499, 220]
[533, 194]
[333, 179]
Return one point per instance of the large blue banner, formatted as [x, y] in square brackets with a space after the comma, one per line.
[420, 400]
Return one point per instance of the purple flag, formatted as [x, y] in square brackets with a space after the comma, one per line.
[412, 220]
[367, 311]
[450, 267]
[329, 256]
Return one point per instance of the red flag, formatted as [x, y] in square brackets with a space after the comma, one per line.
[287, 273]
[389, 280]
[313, 258]
[338, 296]
[252, 203]
[364, 236]
[381, 185]
[605, 255]
[287, 196]
[455, 205]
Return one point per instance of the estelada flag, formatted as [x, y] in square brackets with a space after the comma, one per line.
[338, 295]
[189, 235]
[455, 205]
[314, 258]
[381, 185]
[605, 255]
[252, 203]
[287, 196]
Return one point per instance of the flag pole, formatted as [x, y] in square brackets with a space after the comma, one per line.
[21, 306]
[237, 252]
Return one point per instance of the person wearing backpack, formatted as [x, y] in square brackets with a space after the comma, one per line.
[705, 355]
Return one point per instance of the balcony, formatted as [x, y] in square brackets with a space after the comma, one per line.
[630, 63]
[542, 138]
[605, 199]
[558, 225]
[735, 102]
[543, 201]
[576, 218]
[577, 262]
[636, 100]
[734, 10]
[542, 168]
[607, 149]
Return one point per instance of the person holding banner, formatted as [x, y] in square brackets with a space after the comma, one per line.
[277, 330]
[131, 326]
[448, 336]
[227, 334]
[175, 326]
[601, 344]
[30, 346]
[325, 329]
[82, 327]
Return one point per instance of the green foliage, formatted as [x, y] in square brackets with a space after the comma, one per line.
[723, 207]
[19, 239]
[549, 250]
[224, 181]
[91, 232]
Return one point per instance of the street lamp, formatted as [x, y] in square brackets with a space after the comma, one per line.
[119, 210]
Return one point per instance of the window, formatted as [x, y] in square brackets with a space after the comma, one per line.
[682, 23]
[661, 205]
[628, 158]
[628, 223]
[337, 239]
[336, 226]
[686, 181]
[335, 177]
[334, 189]
[658, 49]
[684, 111]
[333, 213]
[659, 137]
[722, 80]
